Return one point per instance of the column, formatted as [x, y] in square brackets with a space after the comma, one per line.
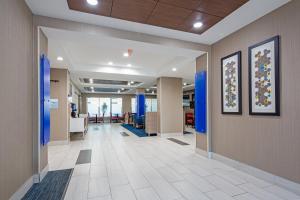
[140, 102]
[169, 106]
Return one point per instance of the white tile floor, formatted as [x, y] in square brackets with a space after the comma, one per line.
[153, 168]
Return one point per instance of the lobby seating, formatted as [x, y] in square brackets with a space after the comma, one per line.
[189, 119]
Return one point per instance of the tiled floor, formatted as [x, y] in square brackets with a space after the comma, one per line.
[153, 168]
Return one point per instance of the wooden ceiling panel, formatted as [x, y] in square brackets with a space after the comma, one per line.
[219, 8]
[133, 10]
[207, 20]
[103, 8]
[188, 4]
[165, 15]
[173, 14]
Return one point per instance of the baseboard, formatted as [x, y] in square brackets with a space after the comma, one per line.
[19, 194]
[44, 173]
[266, 176]
[58, 142]
[201, 152]
[164, 135]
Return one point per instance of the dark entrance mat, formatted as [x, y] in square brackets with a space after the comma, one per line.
[178, 141]
[124, 134]
[52, 187]
[187, 132]
[84, 157]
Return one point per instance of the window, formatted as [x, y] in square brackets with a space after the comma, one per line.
[116, 106]
[133, 105]
[93, 106]
[151, 105]
[105, 106]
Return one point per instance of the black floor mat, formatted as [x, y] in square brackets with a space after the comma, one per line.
[84, 157]
[52, 187]
[178, 141]
[124, 134]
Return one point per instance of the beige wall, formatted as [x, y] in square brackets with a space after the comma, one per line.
[16, 120]
[268, 143]
[170, 110]
[59, 117]
[201, 65]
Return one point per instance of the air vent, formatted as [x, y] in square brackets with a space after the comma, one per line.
[105, 90]
[109, 82]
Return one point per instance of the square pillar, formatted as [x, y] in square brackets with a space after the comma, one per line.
[169, 106]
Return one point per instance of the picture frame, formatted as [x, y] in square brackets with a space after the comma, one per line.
[264, 92]
[231, 84]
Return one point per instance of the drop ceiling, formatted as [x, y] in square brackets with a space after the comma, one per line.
[247, 13]
[88, 56]
[173, 14]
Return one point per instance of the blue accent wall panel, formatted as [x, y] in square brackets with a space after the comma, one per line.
[140, 104]
[200, 102]
[44, 100]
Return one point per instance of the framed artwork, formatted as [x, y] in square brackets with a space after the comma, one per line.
[231, 84]
[264, 78]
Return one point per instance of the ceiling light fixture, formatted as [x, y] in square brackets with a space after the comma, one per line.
[198, 25]
[126, 54]
[92, 2]
[119, 91]
[59, 58]
[132, 82]
[147, 89]
[128, 83]
[153, 92]
[91, 81]
[123, 89]
[174, 69]
[129, 65]
[184, 84]
[110, 63]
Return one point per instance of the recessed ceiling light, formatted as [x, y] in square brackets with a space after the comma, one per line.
[110, 63]
[198, 25]
[126, 54]
[59, 58]
[129, 65]
[92, 2]
[174, 69]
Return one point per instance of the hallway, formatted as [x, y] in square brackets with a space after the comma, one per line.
[153, 168]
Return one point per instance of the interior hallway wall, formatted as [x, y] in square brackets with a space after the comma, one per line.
[201, 65]
[16, 120]
[265, 142]
[59, 117]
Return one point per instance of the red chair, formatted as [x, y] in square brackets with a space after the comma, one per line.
[189, 119]
[114, 118]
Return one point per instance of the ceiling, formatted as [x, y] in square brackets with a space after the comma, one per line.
[173, 14]
[249, 12]
[88, 56]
